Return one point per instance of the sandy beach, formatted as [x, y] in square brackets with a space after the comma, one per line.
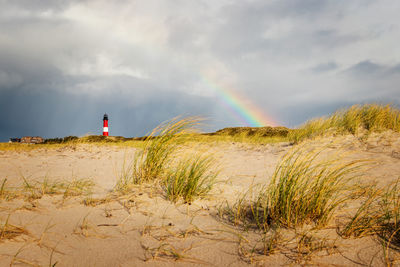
[100, 228]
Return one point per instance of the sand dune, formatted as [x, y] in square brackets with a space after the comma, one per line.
[143, 228]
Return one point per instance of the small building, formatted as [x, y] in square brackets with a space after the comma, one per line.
[15, 140]
[32, 140]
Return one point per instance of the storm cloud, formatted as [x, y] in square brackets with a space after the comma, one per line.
[63, 64]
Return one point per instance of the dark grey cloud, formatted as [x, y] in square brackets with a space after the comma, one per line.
[49, 113]
[370, 70]
[365, 69]
[36, 5]
[21, 10]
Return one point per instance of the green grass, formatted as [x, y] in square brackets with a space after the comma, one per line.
[253, 135]
[305, 188]
[67, 139]
[369, 118]
[74, 142]
[238, 138]
[151, 162]
[190, 178]
[182, 178]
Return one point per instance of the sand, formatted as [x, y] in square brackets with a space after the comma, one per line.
[143, 228]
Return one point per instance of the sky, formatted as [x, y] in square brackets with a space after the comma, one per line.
[63, 64]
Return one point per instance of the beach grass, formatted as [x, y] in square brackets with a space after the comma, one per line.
[354, 120]
[181, 177]
[73, 143]
[379, 213]
[151, 162]
[190, 178]
[31, 190]
[10, 231]
[305, 188]
[238, 138]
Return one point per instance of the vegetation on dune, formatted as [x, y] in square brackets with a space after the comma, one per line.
[31, 190]
[151, 162]
[185, 178]
[190, 178]
[358, 118]
[254, 131]
[87, 139]
[369, 118]
[379, 213]
[305, 188]
[10, 231]
[257, 135]
[57, 140]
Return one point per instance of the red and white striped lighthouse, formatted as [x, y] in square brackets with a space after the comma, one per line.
[105, 125]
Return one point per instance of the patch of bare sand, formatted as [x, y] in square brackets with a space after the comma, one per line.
[144, 229]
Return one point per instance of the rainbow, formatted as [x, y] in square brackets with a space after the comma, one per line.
[239, 106]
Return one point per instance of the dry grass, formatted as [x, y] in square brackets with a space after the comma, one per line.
[370, 118]
[166, 251]
[31, 190]
[5, 192]
[17, 147]
[238, 138]
[72, 143]
[93, 202]
[266, 131]
[166, 243]
[85, 228]
[379, 213]
[255, 135]
[251, 250]
[10, 231]
[309, 244]
[140, 142]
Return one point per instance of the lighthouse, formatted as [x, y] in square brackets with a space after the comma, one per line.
[105, 125]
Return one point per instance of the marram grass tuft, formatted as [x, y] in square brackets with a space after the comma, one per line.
[306, 188]
[190, 178]
[152, 161]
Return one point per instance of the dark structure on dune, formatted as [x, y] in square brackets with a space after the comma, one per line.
[27, 140]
